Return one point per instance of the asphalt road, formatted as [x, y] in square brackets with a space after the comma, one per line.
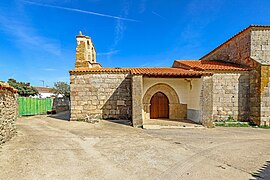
[52, 148]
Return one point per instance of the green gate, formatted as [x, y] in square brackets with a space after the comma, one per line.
[34, 106]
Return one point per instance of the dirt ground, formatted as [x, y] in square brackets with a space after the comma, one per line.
[53, 148]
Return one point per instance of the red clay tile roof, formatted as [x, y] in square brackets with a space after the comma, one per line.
[167, 72]
[208, 65]
[251, 27]
[43, 89]
[97, 70]
[153, 72]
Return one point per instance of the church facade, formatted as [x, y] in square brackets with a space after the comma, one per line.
[230, 81]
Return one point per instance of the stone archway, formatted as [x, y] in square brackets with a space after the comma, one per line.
[176, 110]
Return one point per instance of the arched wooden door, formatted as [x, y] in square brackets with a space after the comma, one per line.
[159, 107]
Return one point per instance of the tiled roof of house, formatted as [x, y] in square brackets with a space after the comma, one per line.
[208, 65]
[251, 27]
[159, 72]
[43, 89]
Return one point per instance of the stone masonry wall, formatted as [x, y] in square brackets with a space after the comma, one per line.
[234, 51]
[137, 104]
[252, 48]
[260, 52]
[101, 95]
[260, 95]
[254, 97]
[206, 101]
[264, 100]
[8, 112]
[231, 96]
[260, 46]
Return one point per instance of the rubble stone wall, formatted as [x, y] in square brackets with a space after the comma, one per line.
[231, 96]
[8, 112]
[100, 96]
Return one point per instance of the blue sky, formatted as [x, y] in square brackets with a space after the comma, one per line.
[38, 36]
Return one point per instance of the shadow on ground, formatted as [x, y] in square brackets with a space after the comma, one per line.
[66, 117]
[61, 116]
[122, 122]
[263, 172]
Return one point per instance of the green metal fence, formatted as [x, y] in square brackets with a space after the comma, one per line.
[34, 106]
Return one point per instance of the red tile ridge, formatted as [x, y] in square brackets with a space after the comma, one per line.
[100, 70]
[209, 65]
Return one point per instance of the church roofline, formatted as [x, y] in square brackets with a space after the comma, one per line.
[249, 28]
[148, 72]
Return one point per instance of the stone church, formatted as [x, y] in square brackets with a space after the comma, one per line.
[230, 81]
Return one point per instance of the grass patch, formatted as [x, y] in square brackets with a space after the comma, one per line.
[264, 127]
[232, 125]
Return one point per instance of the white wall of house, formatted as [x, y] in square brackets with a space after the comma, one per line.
[46, 95]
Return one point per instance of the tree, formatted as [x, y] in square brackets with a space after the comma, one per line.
[24, 89]
[61, 88]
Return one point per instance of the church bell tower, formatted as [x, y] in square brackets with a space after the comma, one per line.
[85, 52]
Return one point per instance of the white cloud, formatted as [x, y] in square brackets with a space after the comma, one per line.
[81, 11]
[155, 13]
[108, 53]
[120, 26]
[119, 30]
[26, 36]
[142, 6]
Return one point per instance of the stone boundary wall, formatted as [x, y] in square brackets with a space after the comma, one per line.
[8, 112]
[231, 96]
[100, 95]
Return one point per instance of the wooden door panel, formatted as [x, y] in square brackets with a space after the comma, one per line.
[159, 107]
